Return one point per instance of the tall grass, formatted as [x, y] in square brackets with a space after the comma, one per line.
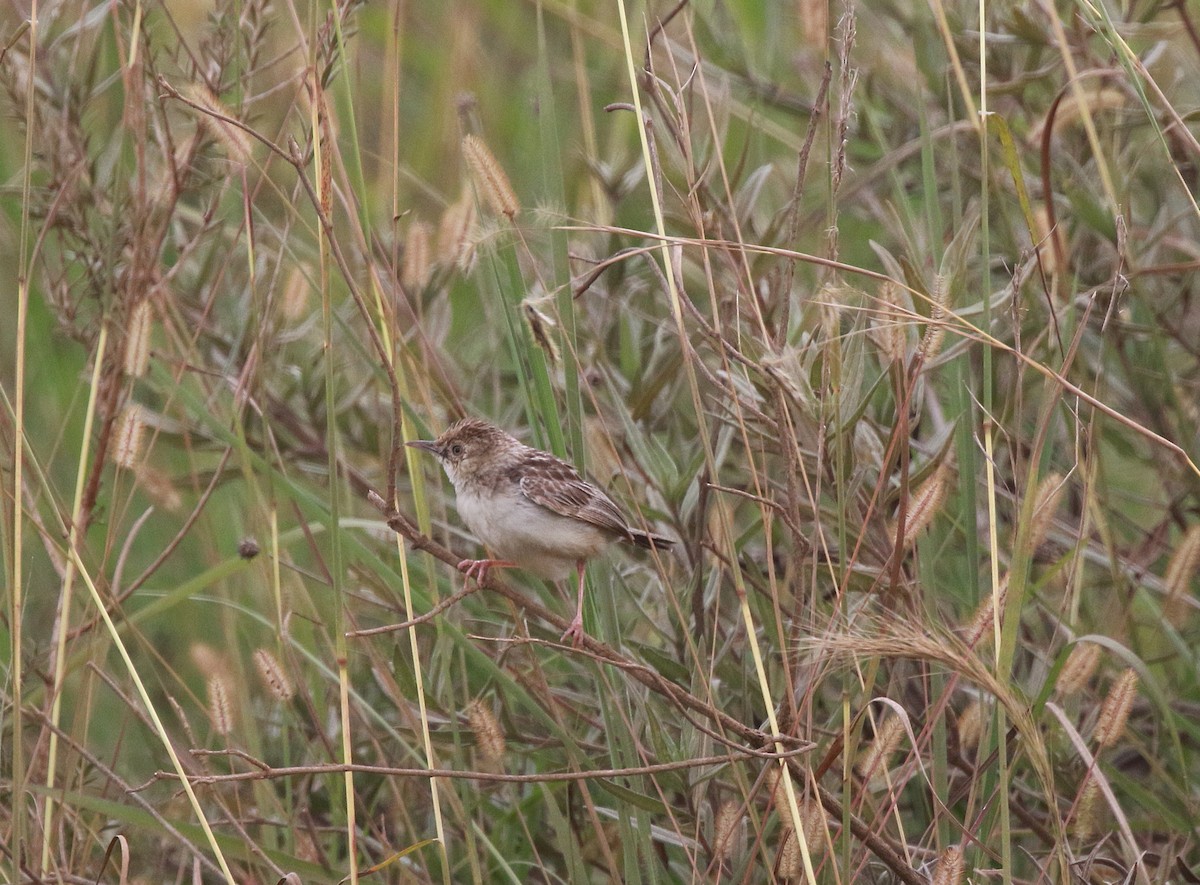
[885, 314]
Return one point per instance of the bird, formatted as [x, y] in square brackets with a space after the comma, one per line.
[530, 508]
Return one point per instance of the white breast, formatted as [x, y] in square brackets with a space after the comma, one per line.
[538, 540]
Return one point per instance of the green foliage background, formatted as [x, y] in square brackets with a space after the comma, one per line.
[886, 313]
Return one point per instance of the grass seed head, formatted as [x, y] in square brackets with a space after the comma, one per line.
[490, 178]
[950, 867]
[1114, 712]
[415, 269]
[729, 829]
[220, 706]
[1048, 498]
[1181, 570]
[489, 736]
[130, 436]
[137, 339]
[273, 676]
[456, 234]
[1076, 673]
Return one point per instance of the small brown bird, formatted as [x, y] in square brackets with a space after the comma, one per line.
[529, 508]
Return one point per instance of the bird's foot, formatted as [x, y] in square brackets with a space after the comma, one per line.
[575, 632]
[477, 569]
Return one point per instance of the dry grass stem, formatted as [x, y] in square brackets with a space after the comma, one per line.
[797, 325]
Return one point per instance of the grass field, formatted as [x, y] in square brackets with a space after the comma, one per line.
[887, 313]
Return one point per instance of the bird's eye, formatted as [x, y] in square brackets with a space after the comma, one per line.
[456, 449]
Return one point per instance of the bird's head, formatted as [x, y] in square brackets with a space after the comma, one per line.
[470, 447]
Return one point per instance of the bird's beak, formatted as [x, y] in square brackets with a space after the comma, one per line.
[425, 445]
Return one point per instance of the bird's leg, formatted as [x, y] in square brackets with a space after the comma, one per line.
[478, 568]
[575, 631]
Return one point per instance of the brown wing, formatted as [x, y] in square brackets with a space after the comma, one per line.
[557, 486]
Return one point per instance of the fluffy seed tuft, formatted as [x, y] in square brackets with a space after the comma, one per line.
[137, 340]
[273, 675]
[159, 487]
[1087, 810]
[950, 867]
[489, 736]
[490, 178]
[129, 436]
[889, 327]
[924, 504]
[220, 708]
[1078, 669]
[790, 862]
[1047, 499]
[414, 272]
[970, 726]
[1114, 712]
[728, 829]
[935, 329]
[983, 622]
[456, 234]
[1181, 570]
[874, 759]
[232, 138]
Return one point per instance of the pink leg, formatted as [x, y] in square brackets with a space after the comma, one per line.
[478, 568]
[575, 631]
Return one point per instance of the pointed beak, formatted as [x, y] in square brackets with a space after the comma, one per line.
[425, 445]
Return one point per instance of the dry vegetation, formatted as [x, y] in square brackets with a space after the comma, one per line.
[889, 321]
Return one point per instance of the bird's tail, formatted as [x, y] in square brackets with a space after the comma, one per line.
[649, 541]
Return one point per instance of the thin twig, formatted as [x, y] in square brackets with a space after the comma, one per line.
[446, 603]
[648, 677]
[549, 777]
